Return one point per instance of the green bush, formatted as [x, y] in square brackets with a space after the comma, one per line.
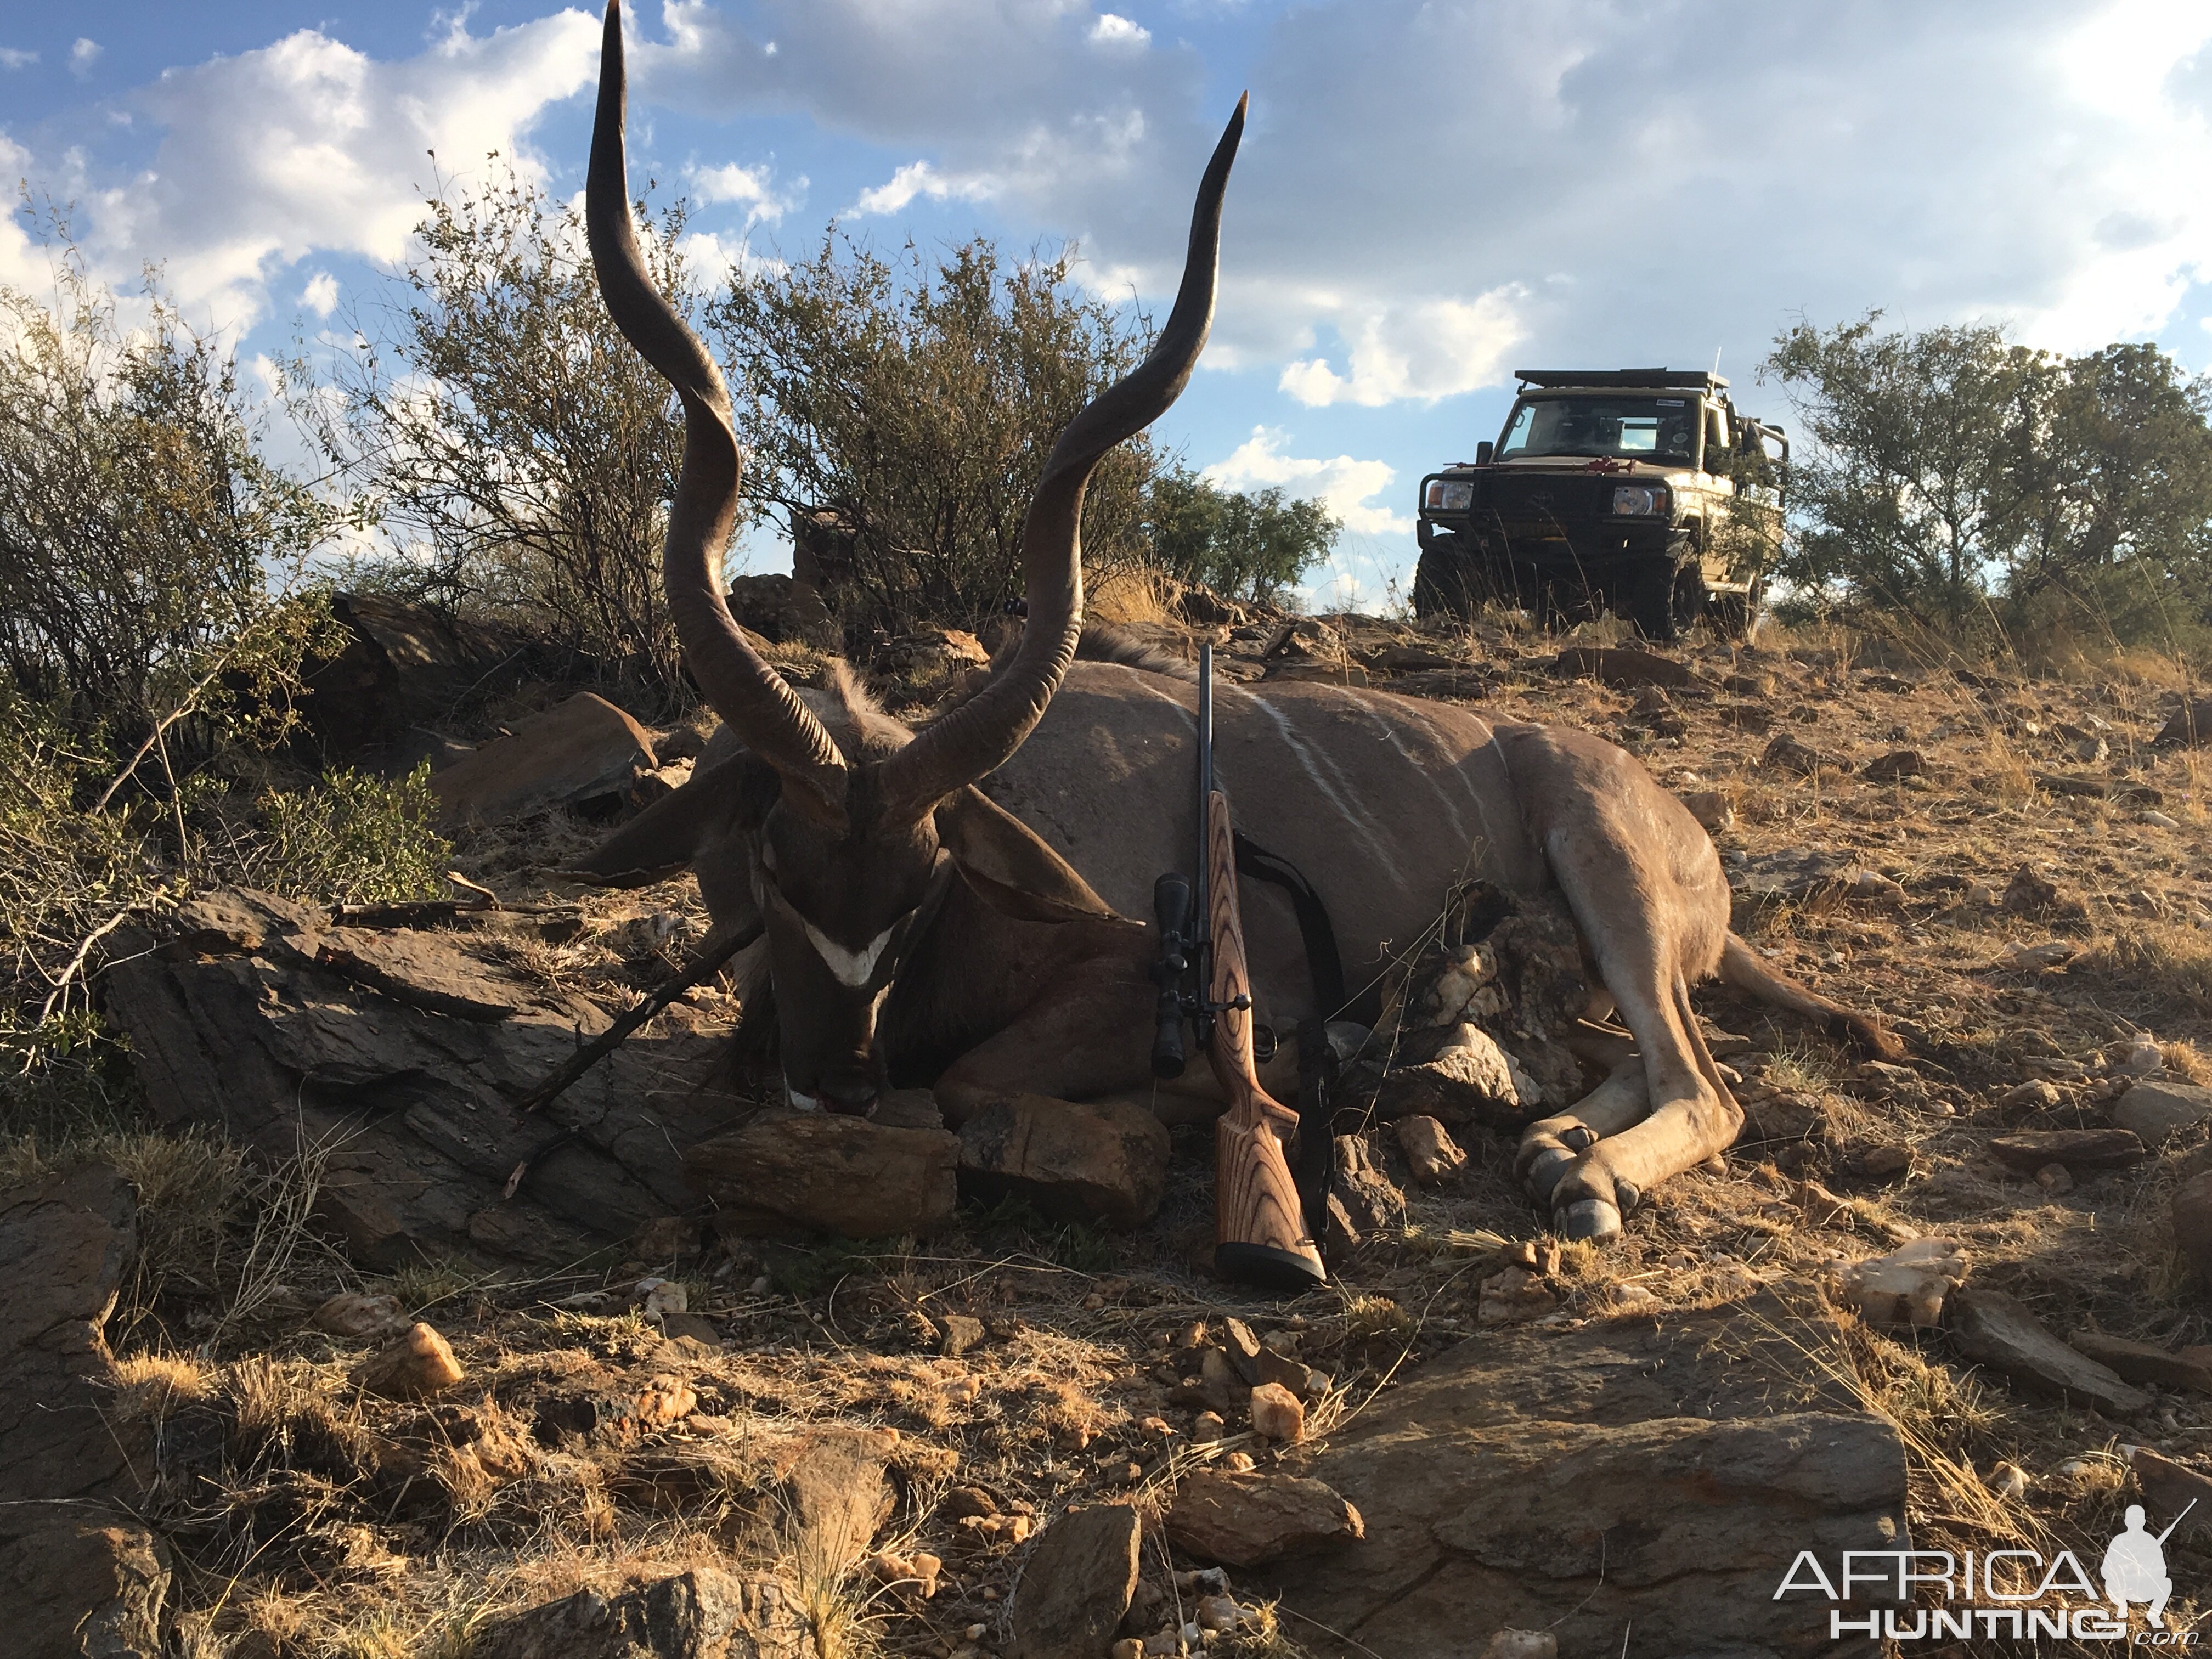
[352, 839]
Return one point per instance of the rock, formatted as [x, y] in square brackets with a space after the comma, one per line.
[1244, 1520]
[783, 612]
[1657, 1473]
[1789, 753]
[2008, 1480]
[2158, 1111]
[1277, 1413]
[357, 1314]
[1885, 1158]
[2055, 1179]
[1470, 1081]
[823, 1172]
[1224, 1390]
[1521, 1644]
[2190, 725]
[416, 1365]
[1897, 764]
[1362, 1200]
[611, 1413]
[1711, 808]
[1907, 1287]
[705, 1613]
[2030, 893]
[2145, 1361]
[1077, 1583]
[404, 667]
[2192, 1220]
[578, 752]
[78, 1573]
[2036, 1094]
[1620, 665]
[836, 1493]
[2169, 1487]
[1997, 1330]
[1515, 1296]
[957, 1333]
[1105, 1161]
[1430, 1151]
[2029, 1149]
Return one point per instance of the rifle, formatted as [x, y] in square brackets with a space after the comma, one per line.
[1260, 1232]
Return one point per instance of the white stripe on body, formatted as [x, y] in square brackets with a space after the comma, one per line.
[1357, 816]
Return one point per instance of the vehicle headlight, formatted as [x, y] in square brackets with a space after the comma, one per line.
[1641, 501]
[1447, 496]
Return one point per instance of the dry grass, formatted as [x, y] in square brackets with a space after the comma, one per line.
[1131, 594]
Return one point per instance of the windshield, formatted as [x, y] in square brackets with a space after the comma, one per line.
[1625, 428]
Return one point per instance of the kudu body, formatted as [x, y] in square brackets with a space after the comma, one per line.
[921, 929]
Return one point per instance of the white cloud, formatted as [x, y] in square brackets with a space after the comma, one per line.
[752, 188]
[321, 293]
[916, 179]
[1344, 485]
[15, 57]
[83, 56]
[309, 145]
[1119, 32]
[1427, 350]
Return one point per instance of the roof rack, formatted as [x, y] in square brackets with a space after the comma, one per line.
[1621, 377]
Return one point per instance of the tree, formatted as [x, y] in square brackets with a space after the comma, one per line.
[916, 402]
[517, 453]
[1245, 546]
[1908, 491]
[139, 527]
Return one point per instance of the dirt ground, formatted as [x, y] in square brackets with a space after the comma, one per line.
[309, 1517]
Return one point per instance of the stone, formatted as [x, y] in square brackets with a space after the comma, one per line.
[416, 1365]
[1430, 1152]
[2190, 725]
[2158, 1111]
[2139, 1057]
[1362, 1200]
[1515, 1296]
[361, 1317]
[1105, 1161]
[1077, 1583]
[2169, 1488]
[1712, 808]
[1885, 1158]
[784, 611]
[825, 1173]
[958, 1333]
[2145, 1361]
[1907, 1287]
[1278, 1414]
[2192, 1220]
[2029, 1149]
[404, 667]
[1789, 753]
[704, 1614]
[2037, 1094]
[836, 1493]
[574, 754]
[1621, 666]
[1654, 1474]
[1243, 1520]
[1897, 764]
[2055, 1179]
[1521, 1644]
[1997, 1330]
[1472, 1079]
[2030, 892]
[78, 1573]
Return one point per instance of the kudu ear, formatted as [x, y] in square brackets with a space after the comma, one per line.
[1009, 865]
[664, 838]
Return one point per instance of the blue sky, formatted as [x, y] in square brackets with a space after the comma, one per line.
[1433, 192]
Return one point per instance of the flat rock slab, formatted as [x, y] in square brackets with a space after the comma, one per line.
[578, 752]
[705, 1613]
[2145, 1361]
[254, 1023]
[1996, 1330]
[1621, 666]
[2191, 724]
[1105, 1162]
[2158, 1111]
[1248, 1519]
[2077, 1149]
[820, 1172]
[1665, 1473]
[2169, 1488]
[2192, 1220]
[1077, 1583]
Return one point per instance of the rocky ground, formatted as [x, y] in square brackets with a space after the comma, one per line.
[382, 1405]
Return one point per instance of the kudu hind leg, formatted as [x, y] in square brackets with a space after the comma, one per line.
[1550, 1146]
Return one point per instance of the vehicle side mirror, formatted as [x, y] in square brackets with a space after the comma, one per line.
[1483, 451]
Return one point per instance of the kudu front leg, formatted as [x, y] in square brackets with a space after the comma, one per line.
[1089, 1035]
[1550, 1146]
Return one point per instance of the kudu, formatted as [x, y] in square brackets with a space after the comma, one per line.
[921, 931]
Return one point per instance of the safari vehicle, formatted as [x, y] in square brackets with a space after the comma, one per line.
[1639, 491]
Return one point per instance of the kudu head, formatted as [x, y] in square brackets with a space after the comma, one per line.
[854, 837]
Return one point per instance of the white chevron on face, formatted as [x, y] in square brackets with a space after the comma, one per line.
[851, 968]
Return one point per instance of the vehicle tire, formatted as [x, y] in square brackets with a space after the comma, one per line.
[1665, 601]
[1448, 582]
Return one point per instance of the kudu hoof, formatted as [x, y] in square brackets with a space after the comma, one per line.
[1589, 1217]
[1544, 1171]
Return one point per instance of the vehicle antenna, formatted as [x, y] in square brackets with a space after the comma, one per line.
[1717, 358]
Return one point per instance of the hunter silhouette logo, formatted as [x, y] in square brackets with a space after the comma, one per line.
[2134, 1566]
[1934, 1594]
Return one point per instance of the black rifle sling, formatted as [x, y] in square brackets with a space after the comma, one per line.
[1316, 1162]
